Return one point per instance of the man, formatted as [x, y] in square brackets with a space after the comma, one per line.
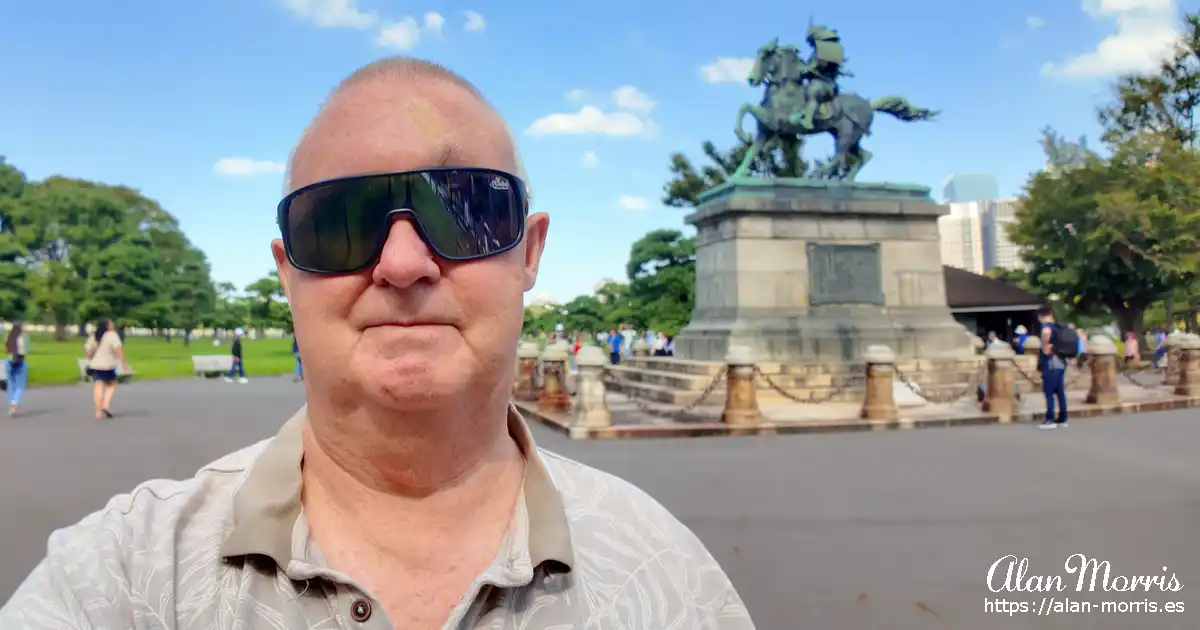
[615, 339]
[1054, 372]
[408, 493]
[238, 368]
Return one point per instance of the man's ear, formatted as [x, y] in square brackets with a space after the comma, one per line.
[536, 227]
[282, 266]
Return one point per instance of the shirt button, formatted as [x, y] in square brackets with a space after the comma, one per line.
[360, 610]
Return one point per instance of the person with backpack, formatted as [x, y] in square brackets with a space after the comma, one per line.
[1060, 344]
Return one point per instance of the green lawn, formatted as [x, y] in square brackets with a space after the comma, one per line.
[54, 363]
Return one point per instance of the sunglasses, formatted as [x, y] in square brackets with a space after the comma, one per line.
[339, 226]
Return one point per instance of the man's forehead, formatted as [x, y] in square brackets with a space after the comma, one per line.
[378, 128]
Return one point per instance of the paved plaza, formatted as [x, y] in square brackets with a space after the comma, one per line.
[890, 530]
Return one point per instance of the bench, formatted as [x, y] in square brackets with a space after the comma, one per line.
[209, 365]
[123, 375]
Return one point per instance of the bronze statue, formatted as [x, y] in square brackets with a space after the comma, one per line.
[803, 98]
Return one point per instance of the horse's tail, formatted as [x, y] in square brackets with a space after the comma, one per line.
[899, 107]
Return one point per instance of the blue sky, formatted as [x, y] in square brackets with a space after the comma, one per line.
[197, 104]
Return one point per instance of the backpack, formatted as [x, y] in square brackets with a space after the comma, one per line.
[1066, 342]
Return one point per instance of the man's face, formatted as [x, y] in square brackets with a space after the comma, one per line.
[414, 330]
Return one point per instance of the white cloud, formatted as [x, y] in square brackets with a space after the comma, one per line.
[590, 159]
[434, 23]
[1146, 32]
[630, 98]
[401, 35]
[332, 13]
[588, 120]
[577, 94]
[540, 299]
[1034, 22]
[246, 167]
[630, 202]
[727, 70]
[475, 22]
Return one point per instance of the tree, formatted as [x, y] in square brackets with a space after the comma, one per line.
[662, 278]
[1162, 102]
[14, 277]
[192, 294]
[683, 191]
[268, 306]
[1116, 233]
[126, 283]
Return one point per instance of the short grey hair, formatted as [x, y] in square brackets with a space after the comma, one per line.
[401, 68]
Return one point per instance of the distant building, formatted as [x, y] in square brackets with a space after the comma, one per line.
[998, 248]
[974, 236]
[961, 188]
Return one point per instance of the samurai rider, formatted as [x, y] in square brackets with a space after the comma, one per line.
[822, 71]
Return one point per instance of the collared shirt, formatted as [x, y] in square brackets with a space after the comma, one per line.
[229, 548]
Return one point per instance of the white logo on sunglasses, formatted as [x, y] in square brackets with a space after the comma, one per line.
[499, 183]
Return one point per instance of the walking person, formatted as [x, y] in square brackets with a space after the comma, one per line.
[239, 366]
[17, 369]
[1059, 344]
[105, 354]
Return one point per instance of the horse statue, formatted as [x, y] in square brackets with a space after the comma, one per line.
[802, 99]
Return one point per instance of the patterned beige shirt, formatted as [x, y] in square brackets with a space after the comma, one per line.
[229, 548]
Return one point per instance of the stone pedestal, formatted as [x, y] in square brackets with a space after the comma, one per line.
[879, 404]
[1000, 398]
[1102, 353]
[807, 271]
[590, 410]
[741, 393]
[554, 396]
[1173, 341]
[525, 386]
[1188, 377]
[640, 348]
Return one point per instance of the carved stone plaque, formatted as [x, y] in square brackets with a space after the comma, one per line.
[844, 274]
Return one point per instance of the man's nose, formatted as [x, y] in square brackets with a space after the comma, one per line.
[406, 259]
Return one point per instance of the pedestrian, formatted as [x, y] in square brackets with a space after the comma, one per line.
[615, 339]
[105, 354]
[17, 369]
[1059, 344]
[1132, 351]
[238, 367]
[408, 492]
[299, 374]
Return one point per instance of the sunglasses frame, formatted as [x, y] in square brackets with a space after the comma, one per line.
[281, 218]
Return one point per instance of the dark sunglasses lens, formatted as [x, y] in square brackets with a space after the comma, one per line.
[340, 226]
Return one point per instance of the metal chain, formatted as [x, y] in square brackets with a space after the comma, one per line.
[1128, 374]
[855, 375]
[971, 387]
[660, 411]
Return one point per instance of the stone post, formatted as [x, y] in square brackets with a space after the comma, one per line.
[554, 388]
[1000, 397]
[1173, 340]
[1189, 367]
[590, 409]
[640, 348]
[1033, 344]
[1103, 353]
[741, 393]
[525, 385]
[879, 403]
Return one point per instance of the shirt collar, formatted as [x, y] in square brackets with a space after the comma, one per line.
[267, 504]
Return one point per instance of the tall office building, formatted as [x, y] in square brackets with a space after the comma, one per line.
[998, 248]
[970, 187]
[974, 235]
[962, 236]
